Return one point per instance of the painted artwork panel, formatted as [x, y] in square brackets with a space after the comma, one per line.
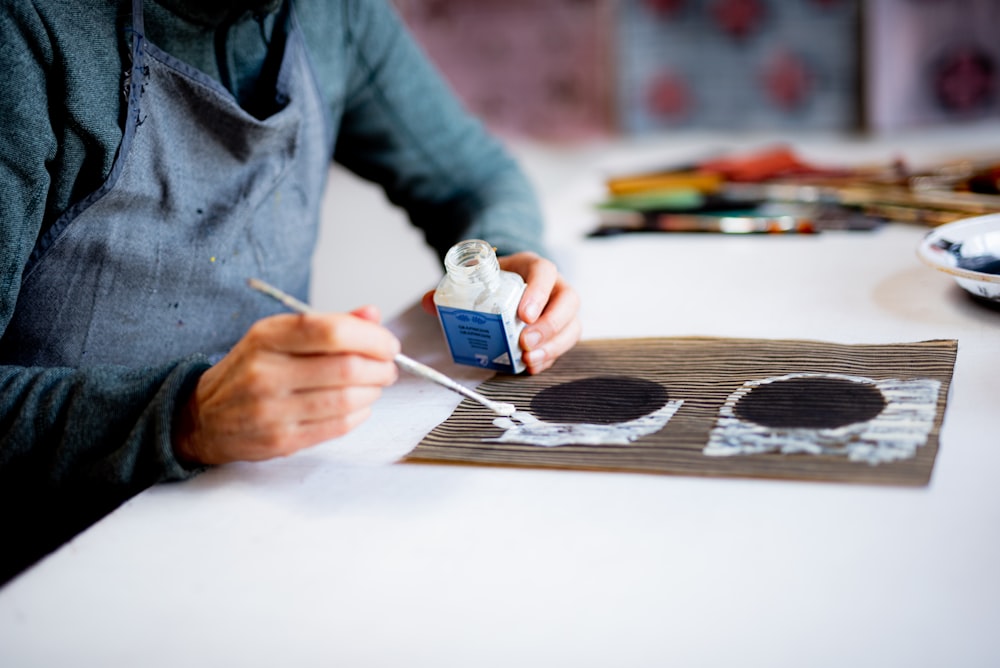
[803, 410]
[527, 68]
[737, 65]
[931, 63]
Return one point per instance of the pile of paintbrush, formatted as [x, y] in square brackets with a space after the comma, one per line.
[774, 191]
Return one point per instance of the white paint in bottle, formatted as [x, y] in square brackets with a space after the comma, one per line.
[477, 306]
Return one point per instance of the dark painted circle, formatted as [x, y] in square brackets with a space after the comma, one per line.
[599, 400]
[811, 403]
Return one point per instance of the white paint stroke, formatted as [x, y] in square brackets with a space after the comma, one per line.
[894, 434]
[523, 427]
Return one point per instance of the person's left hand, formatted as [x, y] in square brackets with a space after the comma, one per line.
[549, 308]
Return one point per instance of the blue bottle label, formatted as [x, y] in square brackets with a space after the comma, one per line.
[477, 339]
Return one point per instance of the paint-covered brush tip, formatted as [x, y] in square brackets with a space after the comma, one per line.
[501, 408]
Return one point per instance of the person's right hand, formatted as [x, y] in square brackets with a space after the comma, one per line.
[291, 382]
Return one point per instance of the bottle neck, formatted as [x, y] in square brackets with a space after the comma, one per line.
[473, 262]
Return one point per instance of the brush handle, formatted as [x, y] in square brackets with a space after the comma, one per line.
[435, 376]
[404, 362]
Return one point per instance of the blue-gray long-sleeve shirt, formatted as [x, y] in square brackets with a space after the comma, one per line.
[74, 443]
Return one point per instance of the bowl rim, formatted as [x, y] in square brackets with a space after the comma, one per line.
[932, 254]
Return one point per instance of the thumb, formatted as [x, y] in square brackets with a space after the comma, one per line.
[368, 312]
[428, 302]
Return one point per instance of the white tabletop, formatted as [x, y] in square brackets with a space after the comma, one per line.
[339, 556]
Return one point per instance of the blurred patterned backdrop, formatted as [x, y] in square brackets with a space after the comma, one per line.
[567, 69]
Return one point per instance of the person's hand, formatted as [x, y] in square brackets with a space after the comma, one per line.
[549, 309]
[291, 382]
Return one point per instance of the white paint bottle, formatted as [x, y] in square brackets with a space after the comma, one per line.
[477, 306]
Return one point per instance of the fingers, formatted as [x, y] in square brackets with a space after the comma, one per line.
[303, 373]
[540, 277]
[560, 313]
[318, 406]
[288, 424]
[427, 302]
[555, 332]
[291, 382]
[310, 433]
[550, 308]
[281, 439]
[369, 313]
[327, 333]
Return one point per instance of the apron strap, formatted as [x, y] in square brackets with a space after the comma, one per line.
[138, 27]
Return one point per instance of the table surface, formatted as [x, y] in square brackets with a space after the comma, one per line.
[342, 556]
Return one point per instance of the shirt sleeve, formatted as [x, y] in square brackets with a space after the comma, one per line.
[74, 443]
[403, 128]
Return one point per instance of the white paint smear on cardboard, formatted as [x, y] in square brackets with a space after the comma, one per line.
[894, 434]
[523, 427]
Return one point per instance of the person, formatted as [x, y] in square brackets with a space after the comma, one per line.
[155, 155]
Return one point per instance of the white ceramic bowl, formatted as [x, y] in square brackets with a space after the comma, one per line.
[969, 250]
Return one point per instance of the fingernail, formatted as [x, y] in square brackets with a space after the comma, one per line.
[532, 310]
[534, 356]
[532, 339]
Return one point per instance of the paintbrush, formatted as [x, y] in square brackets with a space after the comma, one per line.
[404, 362]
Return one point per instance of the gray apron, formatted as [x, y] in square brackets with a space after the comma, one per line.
[153, 265]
